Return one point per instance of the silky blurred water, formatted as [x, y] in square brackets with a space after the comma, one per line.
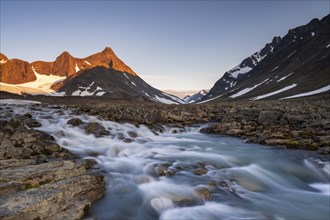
[151, 175]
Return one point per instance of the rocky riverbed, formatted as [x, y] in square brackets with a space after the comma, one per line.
[293, 124]
[38, 178]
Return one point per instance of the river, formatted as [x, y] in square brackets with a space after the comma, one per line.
[183, 174]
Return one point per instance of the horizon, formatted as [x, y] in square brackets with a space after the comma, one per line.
[171, 45]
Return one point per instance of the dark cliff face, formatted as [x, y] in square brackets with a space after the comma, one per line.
[298, 62]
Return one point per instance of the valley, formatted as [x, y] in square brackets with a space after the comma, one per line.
[88, 138]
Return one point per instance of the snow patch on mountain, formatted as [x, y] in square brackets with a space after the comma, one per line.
[209, 99]
[77, 68]
[164, 100]
[146, 94]
[284, 77]
[291, 54]
[274, 69]
[3, 61]
[314, 92]
[87, 91]
[275, 92]
[126, 76]
[238, 70]
[246, 90]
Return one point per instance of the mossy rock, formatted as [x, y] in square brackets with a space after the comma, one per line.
[313, 147]
[292, 143]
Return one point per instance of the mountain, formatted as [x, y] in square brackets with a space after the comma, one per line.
[64, 65]
[293, 66]
[109, 82]
[195, 97]
[101, 74]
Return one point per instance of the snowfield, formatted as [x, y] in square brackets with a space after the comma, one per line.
[41, 86]
[246, 90]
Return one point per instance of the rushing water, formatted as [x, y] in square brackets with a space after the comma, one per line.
[154, 175]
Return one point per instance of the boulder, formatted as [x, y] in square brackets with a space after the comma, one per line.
[75, 122]
[97, 129]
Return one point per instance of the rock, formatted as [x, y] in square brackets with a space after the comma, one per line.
[8, 151]
[199, 171]
[325, 151]
[160, 170]
[41, 180]
[235, 132]
[170, 172]
[27, 115]
[286, 142]
[295, 119]
[75, 122]
[132, 134]
[16, 122]
[175, 117]
[96, 129]
[3, 123]
[201, 113]
[16, 163]
[69, 196]
[203, 192]
[269, 117]
[32, 123]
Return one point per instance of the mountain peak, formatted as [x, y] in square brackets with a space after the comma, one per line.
[107, 50]
[65, 54]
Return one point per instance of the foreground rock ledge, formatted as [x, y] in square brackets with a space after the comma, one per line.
[41, 180]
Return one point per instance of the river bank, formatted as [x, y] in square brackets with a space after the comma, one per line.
[293, 124]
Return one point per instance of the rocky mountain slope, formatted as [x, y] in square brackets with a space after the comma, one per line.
[293, 66]
[96, 75]
[108, 82]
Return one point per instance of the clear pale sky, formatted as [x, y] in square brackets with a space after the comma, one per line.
[177, 45]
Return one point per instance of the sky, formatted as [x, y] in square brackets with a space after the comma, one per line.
[178, 45]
